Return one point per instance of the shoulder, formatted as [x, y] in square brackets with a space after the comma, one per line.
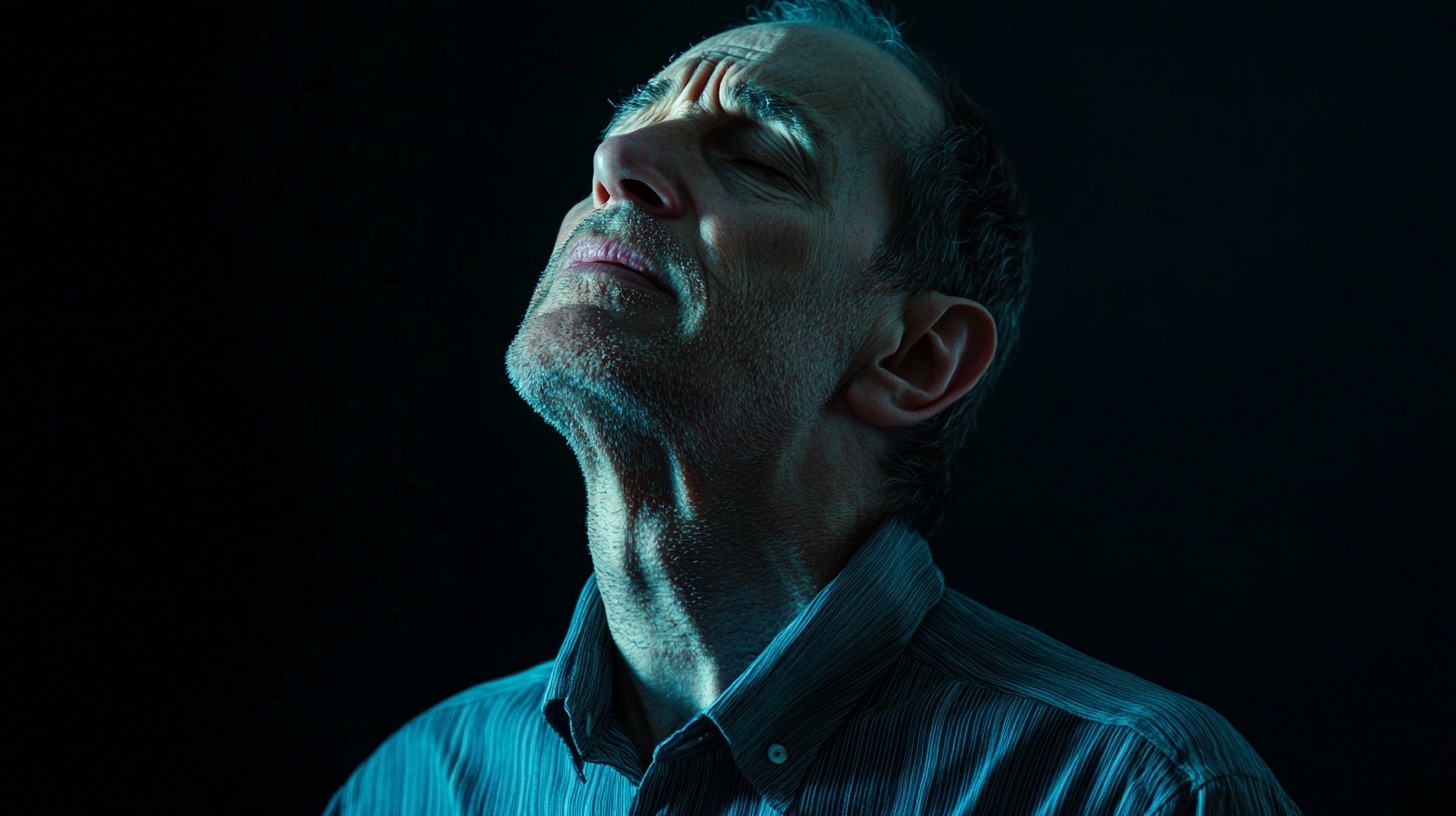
[991, 666]
[421, 767]
[503, 696]
[498, 707]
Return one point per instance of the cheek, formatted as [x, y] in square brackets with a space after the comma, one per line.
[785, 296]
[573, 217]
[763, 258]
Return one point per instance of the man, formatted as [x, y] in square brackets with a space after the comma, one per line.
[763, 334]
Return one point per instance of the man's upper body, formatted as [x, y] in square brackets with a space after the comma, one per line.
[888, 694]
[763, 334]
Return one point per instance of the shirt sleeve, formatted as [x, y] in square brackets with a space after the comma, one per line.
[403, 777]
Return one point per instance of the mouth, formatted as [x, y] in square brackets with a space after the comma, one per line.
[607, 256]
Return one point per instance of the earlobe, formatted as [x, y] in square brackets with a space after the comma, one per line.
[945, 347]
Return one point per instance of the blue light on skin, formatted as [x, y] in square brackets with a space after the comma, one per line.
[729, 429]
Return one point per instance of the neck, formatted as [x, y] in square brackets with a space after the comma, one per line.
[699, 568]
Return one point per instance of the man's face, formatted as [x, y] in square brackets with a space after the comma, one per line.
[714, 289]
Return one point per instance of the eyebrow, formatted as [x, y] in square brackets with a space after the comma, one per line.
[642, 97]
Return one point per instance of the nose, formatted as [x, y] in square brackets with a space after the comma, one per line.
[641, 167]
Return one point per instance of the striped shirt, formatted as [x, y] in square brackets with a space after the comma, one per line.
[887, 694]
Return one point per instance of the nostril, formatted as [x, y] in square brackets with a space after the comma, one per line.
[642, 192]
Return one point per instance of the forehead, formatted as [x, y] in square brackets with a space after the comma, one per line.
[838, 84]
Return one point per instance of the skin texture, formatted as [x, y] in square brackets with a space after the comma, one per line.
[729, 418]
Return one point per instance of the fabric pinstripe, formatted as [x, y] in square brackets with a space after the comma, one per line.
[888, 694]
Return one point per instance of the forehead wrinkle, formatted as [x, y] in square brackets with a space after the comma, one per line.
[765, 104]
[756, 100]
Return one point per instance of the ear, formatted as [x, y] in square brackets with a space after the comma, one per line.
[944, 346]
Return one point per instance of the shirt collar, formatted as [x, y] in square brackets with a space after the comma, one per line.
[578, 697]
[798, 691]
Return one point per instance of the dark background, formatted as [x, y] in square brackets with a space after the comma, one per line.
[268, 493]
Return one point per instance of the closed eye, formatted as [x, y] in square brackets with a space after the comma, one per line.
[757, 166]
[757, 159]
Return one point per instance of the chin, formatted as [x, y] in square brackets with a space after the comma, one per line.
[594, 372]
[580, 367]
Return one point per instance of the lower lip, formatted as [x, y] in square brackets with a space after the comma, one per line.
[617, 272]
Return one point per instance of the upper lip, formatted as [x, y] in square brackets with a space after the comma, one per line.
[601, 249]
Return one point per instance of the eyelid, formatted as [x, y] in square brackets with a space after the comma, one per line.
[775, 150]
[764, 166]
[770, 164]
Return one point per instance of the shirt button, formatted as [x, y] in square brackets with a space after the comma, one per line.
[777, 755]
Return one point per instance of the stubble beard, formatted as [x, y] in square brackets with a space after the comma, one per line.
[601, 369]
[729, 394]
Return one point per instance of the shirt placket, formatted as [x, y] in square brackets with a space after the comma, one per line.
[695, 773]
